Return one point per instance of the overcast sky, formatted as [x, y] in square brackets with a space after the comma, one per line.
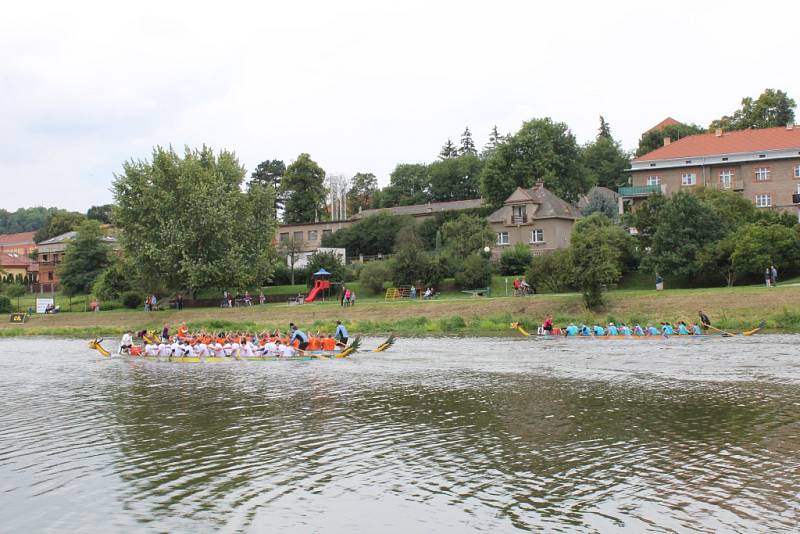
[358, 85]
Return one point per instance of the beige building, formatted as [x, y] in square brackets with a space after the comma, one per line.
[763, 165]
[535, 217]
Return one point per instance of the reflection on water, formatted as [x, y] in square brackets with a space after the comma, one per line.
[434, 436]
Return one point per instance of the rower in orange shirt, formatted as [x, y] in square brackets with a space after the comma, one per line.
[328, 344]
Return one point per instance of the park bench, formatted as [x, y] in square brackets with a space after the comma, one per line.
[482, 292]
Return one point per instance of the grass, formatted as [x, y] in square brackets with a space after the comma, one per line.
[737, 308]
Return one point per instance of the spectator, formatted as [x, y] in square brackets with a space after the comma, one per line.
[773, 275]
[261, 297]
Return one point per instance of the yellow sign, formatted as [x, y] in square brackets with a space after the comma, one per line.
[18, 317]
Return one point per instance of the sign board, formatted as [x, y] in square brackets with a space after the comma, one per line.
[41, 304]
[18, 318]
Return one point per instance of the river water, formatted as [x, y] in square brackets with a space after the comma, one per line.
[436, 435]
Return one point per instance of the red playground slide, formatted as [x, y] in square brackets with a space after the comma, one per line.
[319, 285]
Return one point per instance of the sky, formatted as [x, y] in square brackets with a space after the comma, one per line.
[359, 85]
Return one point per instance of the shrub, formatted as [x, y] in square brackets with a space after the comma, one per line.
[132, 299]
[476, 272]
[552, 272]
[5, 304]
[373, 275]
[515, 260]
[113, 282]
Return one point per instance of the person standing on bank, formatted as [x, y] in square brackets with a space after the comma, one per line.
[767, 277]
[344, 290]
[773, 274]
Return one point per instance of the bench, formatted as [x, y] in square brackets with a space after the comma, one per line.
[483, 292]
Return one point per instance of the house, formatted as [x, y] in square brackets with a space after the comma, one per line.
[22, 243]
[20, 266]
[763, 165]
[535, 217]
[50, 254]
[669, 121]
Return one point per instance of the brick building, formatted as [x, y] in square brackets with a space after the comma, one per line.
[763, 165]
[21, 243]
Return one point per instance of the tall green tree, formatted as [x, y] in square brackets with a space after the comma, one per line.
[100, 213]
[655, 138]
[269, 173]
[363, 187]
[448, 150]
[465, 235]
[303, 187]
[187, 225]
[772, 108]
[605, 161]
[59, 222]
[455, 178]
[24, 219]
[605, 129]
[598, 248]
[408, 184]
[370, 236]
[467, 144]
[494, 139]
[541, 151]
[760, 246]
[85, 258]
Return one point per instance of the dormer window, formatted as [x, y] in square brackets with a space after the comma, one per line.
[518, 215]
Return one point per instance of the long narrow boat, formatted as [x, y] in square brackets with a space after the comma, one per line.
[721, 334]
[346, 352]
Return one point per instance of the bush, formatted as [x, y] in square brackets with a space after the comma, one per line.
[515, 260]
[113, 282]
[132, 300]
[5, 304]
[476, 272]
[282, 275]
[552, 272]
[373, 275]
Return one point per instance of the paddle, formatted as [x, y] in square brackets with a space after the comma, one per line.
[723, 332]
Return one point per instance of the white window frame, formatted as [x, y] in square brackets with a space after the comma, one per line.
[537, 236]
[654, 180]
[764, 200]
[688, 178]
[797, 171]
[726, 178]
[762, 174]
[502, 238]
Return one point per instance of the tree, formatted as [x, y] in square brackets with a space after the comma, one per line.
[100, 213]
[85, 258]
[494, 140]
[655, 138]
[542, 151]
[645, 219]
[603, 203]
[114, 281]
[465, 235]
[449, 150]
[467, 144]
[303, 187]
[186, 224]
[455, 178]
[715, 261]
[515, 260]
[269, 173]
[290, 249]
[732, 209]
[363, 187]
[598, 248]
[328, 260]
[370, 236]
[59, 222]
[759, 246]
[684, 226]
[24, 219]
[373, 275]
[410, 264]
[553, 272]
[604, 130]
[605, 161]
[475, 272]
[772, 108]
[408, 184]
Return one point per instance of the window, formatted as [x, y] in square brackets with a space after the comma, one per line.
[726, 178]
[298, 236]
[653, 180]
[762, 174]
[688, 179]
[284, 236]
[763, 201]
[312, 235]
[502, 238]
[44, 257]
[537, 236]
[518, 214]
[797, 171]
[50, 275]
[326, 232]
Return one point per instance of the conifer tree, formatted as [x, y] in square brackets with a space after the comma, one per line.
[605, 129]
[448, 151]
[467, 144]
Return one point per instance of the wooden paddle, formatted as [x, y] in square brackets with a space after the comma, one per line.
[723, 332]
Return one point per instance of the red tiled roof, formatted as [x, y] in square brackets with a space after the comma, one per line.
[740, 141]
[12, 259]
[669, 121]
[21, 238]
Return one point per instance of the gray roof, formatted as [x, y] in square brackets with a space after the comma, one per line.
[549, 205]
[424, 209]
[69, 236]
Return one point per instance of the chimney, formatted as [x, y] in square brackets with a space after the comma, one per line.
[667, 141]
[718, 133]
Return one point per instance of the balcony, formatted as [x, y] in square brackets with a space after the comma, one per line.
[639, 190]
[519, 219]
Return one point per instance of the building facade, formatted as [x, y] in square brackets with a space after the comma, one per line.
[20, 243]
[762, 165]
[50, 254]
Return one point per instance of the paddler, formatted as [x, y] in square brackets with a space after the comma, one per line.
[341, 334]
[547, 325]
[666, 329]
[705, 322]
[598, 331]
[682, 330]
[571, 330]
[126, 343]
[299, 336]
[625, 330]
[612, 329]
[328, 344]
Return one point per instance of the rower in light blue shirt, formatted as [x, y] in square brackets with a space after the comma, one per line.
[341, 333]
[682, 330]
[625, 330]
[599, 331]
[585, 331]
[637, 330]
[612, 330]
[572, 330]
[667, 329]
[652, 330]
[696, 330]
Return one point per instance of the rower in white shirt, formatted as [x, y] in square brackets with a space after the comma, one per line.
[287, 351]
[163, 349]
[249, 349]
[176, 348]
[126, 343]
[151, 349]
[218, 349]
[270, 348]
[201, 349]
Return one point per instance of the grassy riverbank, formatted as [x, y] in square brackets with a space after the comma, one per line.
[730, 308]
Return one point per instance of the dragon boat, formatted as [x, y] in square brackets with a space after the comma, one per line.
[718, 334]
[346, 352]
